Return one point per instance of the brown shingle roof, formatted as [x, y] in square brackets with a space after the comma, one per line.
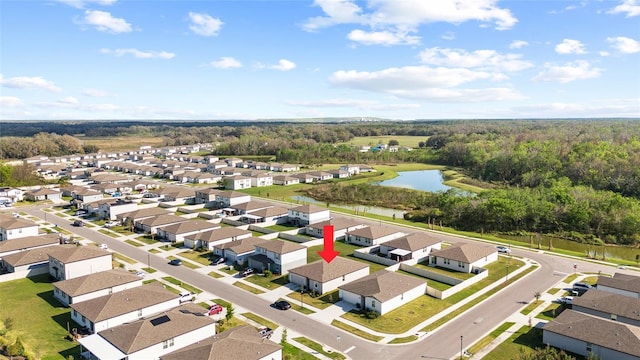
[270, 211]
[123, 302]
[145, 213]
[9, 222]
[132, 337]
[96, 281]
[322, 271]
[598, 331]
[160, 220]
[190, 226]
[373, 232]
[71, 253]
[218, 234]
[309, 209]
[465, 252]
[621, 281]
[34, 256]
[252, 205]
[383, 285]
[242, 246]
[281, 247]
[242, 342]
[609, 303]
[29, 242]
[413, 242]
[338, 224]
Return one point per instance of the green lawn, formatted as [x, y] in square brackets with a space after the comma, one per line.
[215, 275]
[522, 341]
[551, 312]
[529, 308]
[346, 250]
[260, 320]
[290, 352]
[147, 239]
[109, 233]
[281, 227]
[403, 140]
[124, 258]
[317, 347]
[250, 289]
[482, 343]
[319, 302]
[221, 302]
[355, 331]
[185, 286]
[402, 340]
[39, 320]
[446, 272]
[134, 243]
[201, 257]
[188, 264]
[154, 251]
[268, 283]
[230, 270]
[553, 291]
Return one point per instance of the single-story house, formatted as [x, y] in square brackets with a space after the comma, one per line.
[211, 238]
[322, 277]
[151, 225]
[177, 232]
[124, 306]
[43, 194]
[151, 337]
[12, 227]
[178, 194]
[464, 257]
[142, 214]
[238, 251]
[94, 285]
[106, 188]
[623, 284]
[87, 195]
[71, 261]
[321, 175]
[285, 180]
[308, 214]
[413, 246]
[71, 190]
[11, 194]
[278, 256]
[249, 207]
[29, 262]
[28, 243]
[340, 225]
[582, 334]
[237, 182]
[304, 178]
[339, 174]
[241, 342]
[608, 305]
[382, 291]
[372, 235]
[267, 216]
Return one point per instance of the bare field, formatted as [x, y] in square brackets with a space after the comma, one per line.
[116, 143]
[411, 141]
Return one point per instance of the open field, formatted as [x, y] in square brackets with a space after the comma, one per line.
[114, 143]
[410, 141]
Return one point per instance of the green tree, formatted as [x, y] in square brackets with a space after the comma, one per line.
[230, 310]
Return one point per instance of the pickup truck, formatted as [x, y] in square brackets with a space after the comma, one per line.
[265, 332]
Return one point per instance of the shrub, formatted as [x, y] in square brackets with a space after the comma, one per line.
[372, 314]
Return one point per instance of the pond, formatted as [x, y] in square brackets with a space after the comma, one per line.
[424, 180]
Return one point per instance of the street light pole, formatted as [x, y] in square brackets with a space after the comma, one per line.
[460, 347]
[302, 297]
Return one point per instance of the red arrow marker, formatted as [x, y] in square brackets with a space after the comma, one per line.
[328, 254]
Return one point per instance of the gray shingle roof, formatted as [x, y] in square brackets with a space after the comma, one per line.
[34, 256]
[218, 234]
[270, 211]
[242, 246]
[322, 271]
[373, 232]
[609, 303]
[96, 281]
[413, 242]
[189, 226]
[160, 220]
[28, 242]
[465, 252]
[281, 247]
[309, 209]
[145, 213]
[383, 285]
[9, 222]
[71, 253]
[338, 224]
[598, 331]
[621, 281]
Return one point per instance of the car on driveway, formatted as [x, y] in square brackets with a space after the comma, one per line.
[175, 262]
[218, 261]
[104, 246]
[503, 249]
[282, 305]
[265, 332]
[141, 274]
[214, 309]
[566, 300]
[247, 272]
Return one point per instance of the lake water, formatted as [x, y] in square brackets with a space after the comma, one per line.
[425, 180]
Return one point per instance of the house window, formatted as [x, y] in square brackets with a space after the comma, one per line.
[110, 290]
[589, 346]
[373, 304]
[343, 278]
[83, 319]
[460, 264]
[446, 261]
[614, 317]
[75, 313]
[140, 313]
[167, 343]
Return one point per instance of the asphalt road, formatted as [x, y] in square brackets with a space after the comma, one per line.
[444, 343]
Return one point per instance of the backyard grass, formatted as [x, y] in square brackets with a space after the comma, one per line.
[134, 243]
[402, 340]
[482, 343]
[280, 227]
[346, 250]
[250, 289]
[43, 327]
[317, 347]
[201, 257]
[529, 308]
[215, 275]
[447, 272]
[356, 331]
[522, 341]
[260, 320]
[188, 287]
[290, 352]
[269, 283]
[124, 258]
[319, 302]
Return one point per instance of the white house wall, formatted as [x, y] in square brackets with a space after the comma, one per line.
[179, 342]
[80, 268]
[92, 295]
[291, 260]
[400, 300]
[580, 347]
[349, 297]
[635, 295]
[343, 280]
[18, 233]
[128, 317]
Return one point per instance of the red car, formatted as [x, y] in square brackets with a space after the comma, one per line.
[214, 309]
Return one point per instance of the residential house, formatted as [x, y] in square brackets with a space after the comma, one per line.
[141, 214]
[321, 175]
[322, 277]
[415, 246]
[382, 291]
[249, 207]
[226, 199]
[124, 306]
[612, 306]
[177, 232]
[43, 194]
[209, 239]
[352, 169]
[87, 195]
[28, 243]
[339, 174]
[308, 214]
[204, 178]
[151, 337]
[340, 227]
[106, 187]
[71, 261]
[12, 227]
[28, 263]
[627, 285]
[12, 195]
[305, 178]
[237, 182]
[151, 225]
[206, 196]
[100, 178]
[285, 180]
[71, 190]
[372, 235]
[464, 257]
[241, 342]
[109, 209]
[94, 285]
[582, 334]
[238, 251]
[178, 194]
[261, 179]
[267, 216]
[278, 256]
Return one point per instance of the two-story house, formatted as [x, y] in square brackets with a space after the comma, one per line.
[209, 239]
[278, 256]
[71, 261]
[308, 214]
[94, 285]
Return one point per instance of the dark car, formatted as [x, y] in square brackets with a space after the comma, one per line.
[175, 262]
[78, 223]
[265, 332]
[282, 305]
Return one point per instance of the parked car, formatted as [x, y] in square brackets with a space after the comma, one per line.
[218, 261]
[175, 262]
[141, 274]
[581, 287]
[78, 223]
[265, 332]
[104, 246]
[247, 272]
[110, 224]
[567, 300]
[214, 309]
[185, 296]
[282, 305]
[503, 249]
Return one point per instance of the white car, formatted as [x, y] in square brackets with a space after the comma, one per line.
[141, 274]
[567, 300]
[104, 246]
[503, 249]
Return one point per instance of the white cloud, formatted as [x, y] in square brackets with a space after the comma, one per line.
[94, 93]
[449, 35]
[347, 103]
[382, 38]
[80, 4]
[283, 65]
[25, 82]
[589, 109]
[629, 7]
[577, 70]
[140, 54]
[103, 21]
[204, 24]
[226, 63]
[604, 53]
[570, 46]
[482, 59]
[10, 101]
[69, 100]
[624, 44]
[410, 13]
[517, 44]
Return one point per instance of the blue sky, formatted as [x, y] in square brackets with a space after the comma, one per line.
[263, 59]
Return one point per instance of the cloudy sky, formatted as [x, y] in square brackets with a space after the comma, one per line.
[260, 59]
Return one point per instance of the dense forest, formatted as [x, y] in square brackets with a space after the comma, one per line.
[580, 178]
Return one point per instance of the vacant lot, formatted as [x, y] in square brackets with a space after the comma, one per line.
[410, 141]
